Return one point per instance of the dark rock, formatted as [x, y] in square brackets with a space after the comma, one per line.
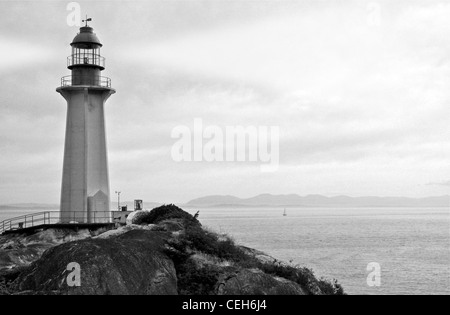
[132, 263]
[256, 282]
[7, 278]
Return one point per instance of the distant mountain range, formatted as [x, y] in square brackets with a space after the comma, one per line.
[294, 200]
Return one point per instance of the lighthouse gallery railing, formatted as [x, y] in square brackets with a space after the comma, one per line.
[75, 80]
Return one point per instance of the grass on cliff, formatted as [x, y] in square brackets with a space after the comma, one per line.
[201, 279]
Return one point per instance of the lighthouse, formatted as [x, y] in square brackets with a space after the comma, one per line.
[85, 195]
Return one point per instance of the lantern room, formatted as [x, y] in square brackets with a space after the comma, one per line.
[86, 50]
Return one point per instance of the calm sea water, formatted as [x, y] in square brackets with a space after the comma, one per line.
[412, 245]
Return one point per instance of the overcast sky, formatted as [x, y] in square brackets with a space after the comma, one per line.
[360, 91]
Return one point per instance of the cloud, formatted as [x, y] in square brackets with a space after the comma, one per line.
[20, 54]
[361, 110]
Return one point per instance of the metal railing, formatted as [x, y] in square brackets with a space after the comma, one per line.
[75, 80]
[55, 217]
[86, 59]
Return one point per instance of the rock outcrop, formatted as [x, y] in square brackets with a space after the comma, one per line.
[256, 282]
[132, 263]
[164, 251]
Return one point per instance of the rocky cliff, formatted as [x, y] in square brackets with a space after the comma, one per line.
[164, 251]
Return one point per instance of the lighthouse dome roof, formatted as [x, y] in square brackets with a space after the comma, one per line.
[86, 36]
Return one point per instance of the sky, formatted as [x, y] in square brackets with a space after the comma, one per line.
[358, 89]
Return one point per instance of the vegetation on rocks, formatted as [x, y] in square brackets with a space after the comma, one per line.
[162, 213]
[197, 239]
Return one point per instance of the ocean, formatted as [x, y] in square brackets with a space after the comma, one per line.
[411, 245]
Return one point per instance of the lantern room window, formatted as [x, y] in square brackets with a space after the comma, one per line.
[86, 56]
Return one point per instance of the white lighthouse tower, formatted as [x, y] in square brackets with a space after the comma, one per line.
[85, 196]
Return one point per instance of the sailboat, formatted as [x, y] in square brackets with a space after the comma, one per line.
[284, 213]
